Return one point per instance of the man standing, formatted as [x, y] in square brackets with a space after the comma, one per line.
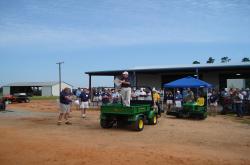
[213, 101]
[238, 101]
[115, 96]
[106, 97]
[157, 99]
[65, 101]
[126, 89]
[85, 100]
[178, 99]
[78, 92]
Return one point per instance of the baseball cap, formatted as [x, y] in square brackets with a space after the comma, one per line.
[125, 73]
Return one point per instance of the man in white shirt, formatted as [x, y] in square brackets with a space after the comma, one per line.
[125, 89]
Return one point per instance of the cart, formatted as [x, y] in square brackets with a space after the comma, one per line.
[189, 110]
[140, 112]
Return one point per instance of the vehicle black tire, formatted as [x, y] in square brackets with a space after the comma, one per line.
[121, 124]
[153, 120]
[27, 100]
[106, 124]
[139, 124]
[179, 115]
[203, 117]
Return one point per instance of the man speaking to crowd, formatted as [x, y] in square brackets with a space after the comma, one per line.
[126, 89]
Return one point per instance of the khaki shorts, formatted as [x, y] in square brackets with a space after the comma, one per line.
[96, 99]
[170, 102]
[178, 104]
[214, 104]
[84, 105]
[64, 108]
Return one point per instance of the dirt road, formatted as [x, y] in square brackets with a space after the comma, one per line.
[29, 135]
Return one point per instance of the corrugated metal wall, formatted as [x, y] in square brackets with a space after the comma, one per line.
[46, 91]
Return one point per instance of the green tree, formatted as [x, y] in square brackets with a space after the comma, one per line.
[196, 62]
[210, 60]
[245, 59]
[225, 59]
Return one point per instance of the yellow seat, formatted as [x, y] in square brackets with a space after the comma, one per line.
[200, 101]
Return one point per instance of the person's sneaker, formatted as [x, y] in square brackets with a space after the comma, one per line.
[83, 115]
[68, 123]
[59, 123]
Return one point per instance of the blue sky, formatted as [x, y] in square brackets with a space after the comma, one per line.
[115, 34]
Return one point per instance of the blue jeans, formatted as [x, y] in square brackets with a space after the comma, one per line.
[238, 109]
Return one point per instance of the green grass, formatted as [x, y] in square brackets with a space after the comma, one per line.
[244, 120]
[44, 98]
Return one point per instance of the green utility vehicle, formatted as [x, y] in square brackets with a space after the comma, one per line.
[140, 112]
[189, 110]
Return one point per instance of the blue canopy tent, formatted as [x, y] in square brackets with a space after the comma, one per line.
[188, 82]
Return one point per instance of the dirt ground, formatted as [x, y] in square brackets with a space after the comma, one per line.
[29, 135]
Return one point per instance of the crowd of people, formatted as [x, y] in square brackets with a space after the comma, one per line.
[233, 100]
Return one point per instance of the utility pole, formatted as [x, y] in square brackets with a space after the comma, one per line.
[60, 76]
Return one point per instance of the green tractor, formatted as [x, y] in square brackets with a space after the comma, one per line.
[140, 112]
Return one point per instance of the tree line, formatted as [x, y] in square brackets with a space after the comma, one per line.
[225, 59]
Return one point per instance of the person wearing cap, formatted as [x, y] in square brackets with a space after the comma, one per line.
[65, 101]
[157, 99]
[142, 94]
[85, 101]
[178, 99]
[125, 89]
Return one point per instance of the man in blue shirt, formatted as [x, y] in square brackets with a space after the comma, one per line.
[178, 99]
[65, 101]
[85, 100]
[78, 92]
[115, 96]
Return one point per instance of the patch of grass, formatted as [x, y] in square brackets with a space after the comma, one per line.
[44, 98]
[244, 120]
[230, 114]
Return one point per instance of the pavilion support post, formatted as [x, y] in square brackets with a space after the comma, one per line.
[135, 79]
[90, 86]
[197, 76]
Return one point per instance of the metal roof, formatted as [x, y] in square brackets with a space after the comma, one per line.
[173, 68]
[34, 84]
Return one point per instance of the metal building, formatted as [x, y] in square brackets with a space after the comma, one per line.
[221, 75]
[35, 88]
